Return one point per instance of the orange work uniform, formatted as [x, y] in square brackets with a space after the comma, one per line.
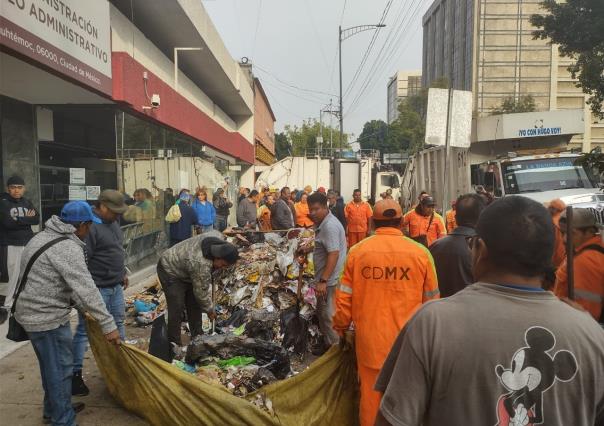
[559, 246]
[386, 278]
[588, 277]
[416, 224]
[264, 218]
[357, 216]
[302, 212]
[451, 221]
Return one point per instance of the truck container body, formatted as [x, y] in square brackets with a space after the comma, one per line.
[343, 175]
[542, 177]
[296, 173]
[425, 171]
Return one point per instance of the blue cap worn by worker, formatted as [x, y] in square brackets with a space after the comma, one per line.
[77, 212]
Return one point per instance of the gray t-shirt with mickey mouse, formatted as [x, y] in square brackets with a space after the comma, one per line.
[495, 355]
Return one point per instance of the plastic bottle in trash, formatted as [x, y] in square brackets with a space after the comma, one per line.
[206, 324]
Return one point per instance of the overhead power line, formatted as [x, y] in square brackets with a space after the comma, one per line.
[293, 86]
[389, 52]
[315, 101]
[368, 50]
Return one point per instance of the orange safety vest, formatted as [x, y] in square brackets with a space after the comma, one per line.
[416, 224]
[386, 278]
[451, 221]
[588, 277]
[357, 216]
[559, 246]
[302, 212]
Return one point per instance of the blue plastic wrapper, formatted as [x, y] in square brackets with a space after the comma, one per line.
[140, 306]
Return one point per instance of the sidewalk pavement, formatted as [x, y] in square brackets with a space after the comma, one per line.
[21, 391]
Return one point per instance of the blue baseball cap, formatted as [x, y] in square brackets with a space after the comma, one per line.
[78, 211]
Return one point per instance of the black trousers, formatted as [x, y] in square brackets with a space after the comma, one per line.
[179, 296]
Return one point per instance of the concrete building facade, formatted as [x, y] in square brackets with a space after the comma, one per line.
[87, 107]
[487, 47]
[264, 126]
[401, 85]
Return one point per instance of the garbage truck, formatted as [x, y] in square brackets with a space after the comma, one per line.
[364, 172]
[541, 176]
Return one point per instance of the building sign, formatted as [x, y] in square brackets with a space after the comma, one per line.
[540, 131]
[77, 176]
[71, 36]
[93, 192]
[530, 125]
[77, 192]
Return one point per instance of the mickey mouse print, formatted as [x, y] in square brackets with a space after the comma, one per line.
[532, 371]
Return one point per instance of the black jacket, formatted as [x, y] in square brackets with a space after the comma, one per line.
[222, 206]
[15, 225]
[105, 251]
[338, 211]
[453, 261]
[181, 230]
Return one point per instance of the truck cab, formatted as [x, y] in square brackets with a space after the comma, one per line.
[387, 181]
[542, 178]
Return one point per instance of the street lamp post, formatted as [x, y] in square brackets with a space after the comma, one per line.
[176, 50]
[343, 34]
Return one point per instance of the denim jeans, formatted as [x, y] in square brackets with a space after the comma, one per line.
[114, 301]
[220, 223]
[54, 352]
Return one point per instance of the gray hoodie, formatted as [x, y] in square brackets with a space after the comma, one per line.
[58, 276]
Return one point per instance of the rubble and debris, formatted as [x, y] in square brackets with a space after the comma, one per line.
[255, 302]
[147, 305]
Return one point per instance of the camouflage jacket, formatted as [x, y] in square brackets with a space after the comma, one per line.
[185, 262]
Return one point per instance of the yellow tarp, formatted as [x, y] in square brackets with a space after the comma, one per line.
[324, 394]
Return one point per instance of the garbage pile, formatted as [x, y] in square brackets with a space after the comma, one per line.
[147, 305]
[263, 331]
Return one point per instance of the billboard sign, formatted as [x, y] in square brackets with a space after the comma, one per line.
[460, 127]
[73, 37]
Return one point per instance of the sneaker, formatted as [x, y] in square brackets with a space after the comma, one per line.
[77, 407]
[78, 387]
[3, 314]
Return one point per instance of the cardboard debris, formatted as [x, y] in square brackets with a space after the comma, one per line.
[253, 301]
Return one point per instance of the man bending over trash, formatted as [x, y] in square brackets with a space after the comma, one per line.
[185, 273]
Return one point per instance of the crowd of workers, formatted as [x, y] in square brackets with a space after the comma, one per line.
[497, 348]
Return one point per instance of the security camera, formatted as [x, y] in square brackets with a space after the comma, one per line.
[155, 101]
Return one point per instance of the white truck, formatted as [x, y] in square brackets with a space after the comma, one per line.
[541, 177]
[341, 174]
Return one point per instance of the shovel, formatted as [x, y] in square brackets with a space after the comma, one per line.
[296, 327]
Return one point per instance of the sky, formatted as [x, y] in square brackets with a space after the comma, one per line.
[292, 45]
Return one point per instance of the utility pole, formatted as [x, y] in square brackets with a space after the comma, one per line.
[330, 130]
[341, 106]
[343, 34]
[320, 137]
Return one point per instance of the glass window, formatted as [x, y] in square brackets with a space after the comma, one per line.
[543, 175]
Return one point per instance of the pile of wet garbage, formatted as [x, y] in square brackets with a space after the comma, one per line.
[266, 323]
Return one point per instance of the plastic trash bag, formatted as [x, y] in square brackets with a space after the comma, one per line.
[159, 345]
[142, 306]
